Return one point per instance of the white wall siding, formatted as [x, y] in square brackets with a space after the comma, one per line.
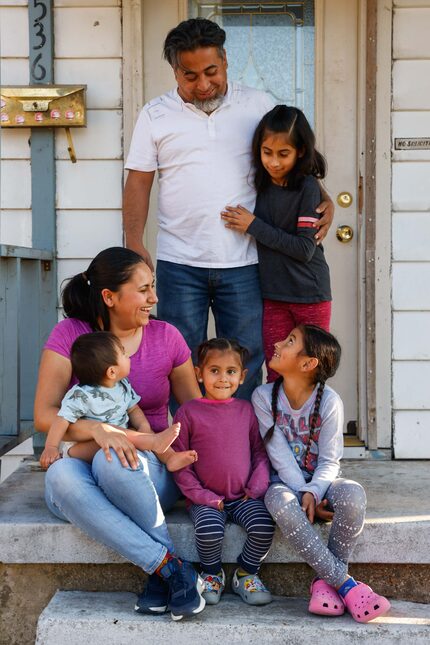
[411, 337]
[99, 230]
[405, 127]
[410, 30]
[412, 429]
[411, 84]
[15, 227]
[15, 194]
[99, 30]
[411, 385]
[14, 32]
[411, 236]
[411, 231]
[15, 184]
[89, 193]
[411, 182]
[101, 139]
[411, 290]
[102, 76]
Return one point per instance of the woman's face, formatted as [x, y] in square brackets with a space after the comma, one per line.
[131, 305]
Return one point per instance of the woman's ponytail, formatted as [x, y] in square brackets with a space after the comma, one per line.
[82, 296]
[75, 297]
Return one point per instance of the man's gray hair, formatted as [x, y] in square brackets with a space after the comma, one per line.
[190, 35]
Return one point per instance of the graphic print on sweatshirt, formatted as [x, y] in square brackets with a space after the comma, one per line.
[296, 430]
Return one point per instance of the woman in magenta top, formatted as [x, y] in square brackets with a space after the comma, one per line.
[122, 489]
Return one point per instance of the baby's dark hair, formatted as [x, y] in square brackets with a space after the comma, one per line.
[92, 354]
[292, 122]
[221, 345]
[190, 35]
[320, 344]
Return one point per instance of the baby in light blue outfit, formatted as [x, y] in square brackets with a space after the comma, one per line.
[106, 404]
[104, 394]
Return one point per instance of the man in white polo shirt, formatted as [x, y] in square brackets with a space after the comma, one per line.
[198, 137]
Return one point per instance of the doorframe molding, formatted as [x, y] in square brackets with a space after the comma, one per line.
[376, 318]
[382, 301]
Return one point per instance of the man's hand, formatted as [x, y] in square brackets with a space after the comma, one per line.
[143, 251]
[322, 513]
[327, 209]
[308, 506]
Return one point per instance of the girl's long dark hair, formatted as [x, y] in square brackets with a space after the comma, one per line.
[82, 297]
[292, 122]
[320, 344]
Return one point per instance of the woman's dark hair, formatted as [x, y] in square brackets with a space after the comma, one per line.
[191, 34]
[320, 344]
[82, 297]
[221, 345]
[292, 122]
[92, 354]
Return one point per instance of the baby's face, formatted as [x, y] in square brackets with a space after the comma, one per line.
[122, 363]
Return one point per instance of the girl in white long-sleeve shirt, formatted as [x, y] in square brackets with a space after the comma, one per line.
[301, 422]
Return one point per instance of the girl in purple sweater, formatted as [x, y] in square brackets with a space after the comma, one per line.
[231, 475]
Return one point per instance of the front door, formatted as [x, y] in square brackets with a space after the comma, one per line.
[305, 54]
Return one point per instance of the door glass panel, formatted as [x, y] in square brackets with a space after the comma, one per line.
[270, 46]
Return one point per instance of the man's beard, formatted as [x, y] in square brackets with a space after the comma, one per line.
[209, 105]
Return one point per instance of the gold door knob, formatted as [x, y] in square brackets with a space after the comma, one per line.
[344, 199]
[344, 234]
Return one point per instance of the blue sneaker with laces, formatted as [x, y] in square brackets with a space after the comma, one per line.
[155, 596]
[186, 589]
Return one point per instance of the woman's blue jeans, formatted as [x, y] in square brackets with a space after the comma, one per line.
[185, 295]
[119, 507]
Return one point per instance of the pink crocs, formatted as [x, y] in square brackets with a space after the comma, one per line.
[364, 604]
[325, 600]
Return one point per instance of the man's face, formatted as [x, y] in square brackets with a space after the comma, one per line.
[201, 75]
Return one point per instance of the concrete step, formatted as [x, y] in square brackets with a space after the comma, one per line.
[396, 529]
[74, 617]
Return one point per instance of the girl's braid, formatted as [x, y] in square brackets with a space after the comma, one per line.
[275, 391]
[313, 421]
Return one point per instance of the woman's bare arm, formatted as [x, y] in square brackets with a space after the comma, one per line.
[184, 382]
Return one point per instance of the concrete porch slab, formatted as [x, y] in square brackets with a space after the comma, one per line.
[396, 531]
[75, 617]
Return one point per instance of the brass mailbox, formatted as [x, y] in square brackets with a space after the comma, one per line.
[35, 106]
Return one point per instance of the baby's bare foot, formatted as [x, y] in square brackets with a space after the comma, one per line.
[179, 460]
[162, 440]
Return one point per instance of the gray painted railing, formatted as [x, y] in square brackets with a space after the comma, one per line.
[27, 315]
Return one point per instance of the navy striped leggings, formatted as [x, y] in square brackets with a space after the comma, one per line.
[209, 525]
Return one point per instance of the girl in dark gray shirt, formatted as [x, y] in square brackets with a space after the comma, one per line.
[294, 274]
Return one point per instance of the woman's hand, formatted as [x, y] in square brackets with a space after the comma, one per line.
[237, 218]
[108, 437]
[322, 513]
[308, 506]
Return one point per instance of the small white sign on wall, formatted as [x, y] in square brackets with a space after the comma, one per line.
[417, 143]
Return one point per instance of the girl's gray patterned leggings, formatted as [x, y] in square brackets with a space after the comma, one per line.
[347, 500]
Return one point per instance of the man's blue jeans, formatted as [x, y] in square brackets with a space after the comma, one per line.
[185, 295]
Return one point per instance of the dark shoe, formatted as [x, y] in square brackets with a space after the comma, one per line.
[155, 596]
[186, 589]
